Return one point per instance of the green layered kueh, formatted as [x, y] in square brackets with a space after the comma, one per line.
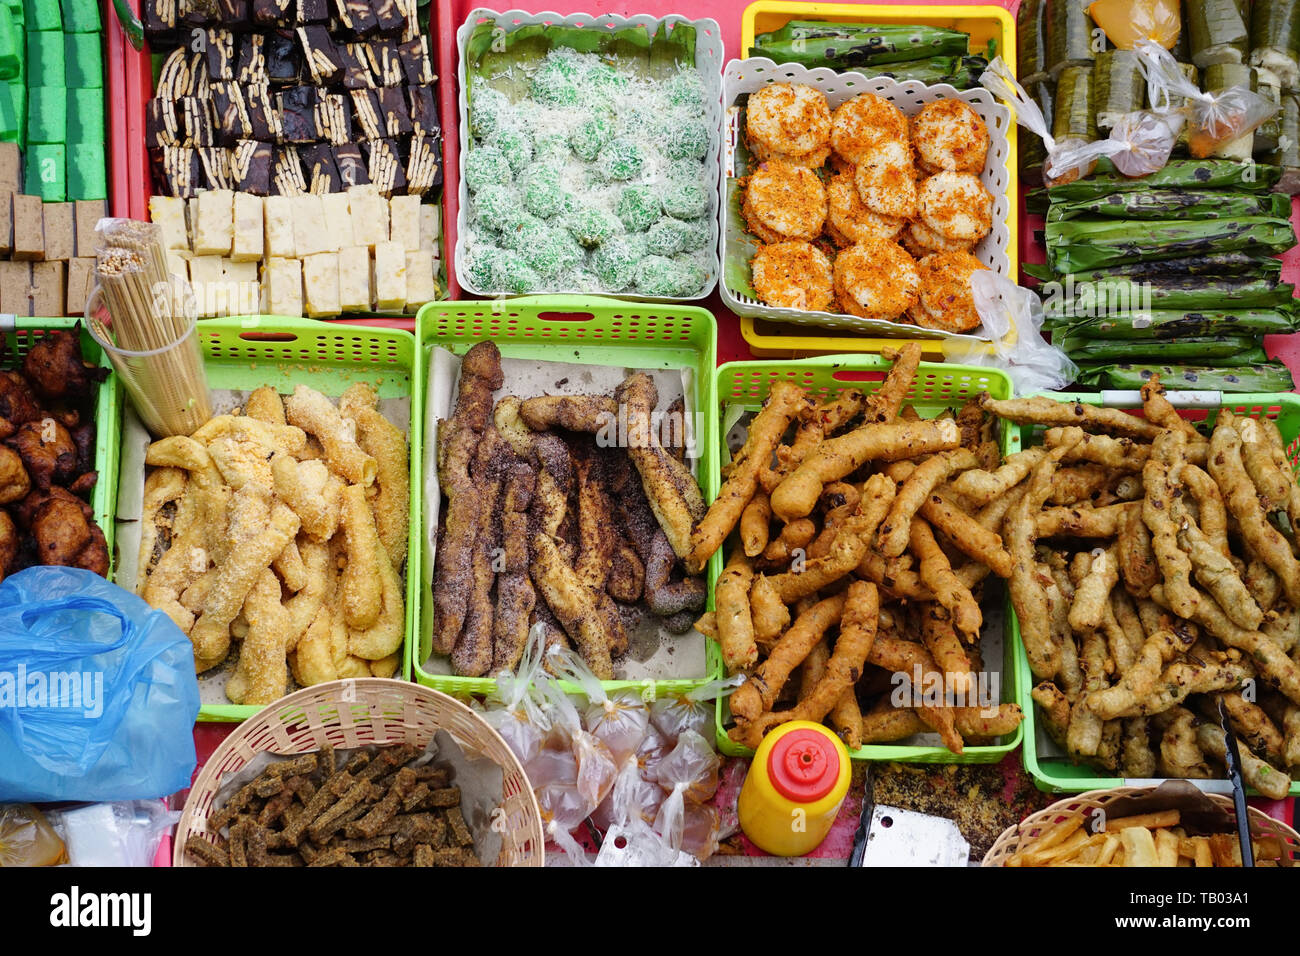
[1178, 324]
[1091, 243]
[1271, 376]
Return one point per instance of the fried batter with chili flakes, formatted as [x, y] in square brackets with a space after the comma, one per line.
[949, 135]
[790, 123]
[784, 202]
[793, 275]
[859, 126]
[957, 206]
[920, 240]
[886, 181]
[848, 220]
[945, 300]
[876, 280]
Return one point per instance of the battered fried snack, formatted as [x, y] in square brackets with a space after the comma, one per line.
[516, 596]
[837, 457]
[734, 619]
[1158, 409]
[769, 613]
[262, 676]
[1092, 596]
[472, 655]
[362, 595]
[981, 487]
[384, 442]
[918, 486]
[967, 534]
[784, 402]
[311, 411]
[1041, 410]
[949, 656]
[1080, 522]
[759, 693]
[936, 573]
[1272, 783]
[669, 486]
[458, 438]
[793, 537]
[311, 491]
[578, 413]
[755, 523]
[573, 604]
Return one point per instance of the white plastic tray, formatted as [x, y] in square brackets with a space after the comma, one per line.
[708, 62]
[745, 76]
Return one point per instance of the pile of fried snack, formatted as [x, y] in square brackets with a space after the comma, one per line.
[890, 234]
[587, 528]
[47, 459]
[375, 810]
[861, 554]
[1148, 839]
[1156, 577]
[283, 528]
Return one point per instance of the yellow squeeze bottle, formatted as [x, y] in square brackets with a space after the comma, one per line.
[796, 783]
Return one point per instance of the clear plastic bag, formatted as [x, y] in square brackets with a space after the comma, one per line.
[1213, 119]
[515, 711]
[618, 720]
[692, 768]
[114, 834]
[1148, 139]
[634, 797]
[693, 710]
[27, 839]
[635, 844]
[596, 768]
[1013, 319]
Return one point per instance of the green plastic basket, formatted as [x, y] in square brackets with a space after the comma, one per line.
[19, 336]
[937, 387]
[586, 330]
[248, 352]
[1056, 774]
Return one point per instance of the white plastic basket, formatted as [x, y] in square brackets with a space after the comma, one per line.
[708, 63]
[745, 76]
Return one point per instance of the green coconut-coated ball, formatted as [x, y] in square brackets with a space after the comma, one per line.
[621, 159]
[638, 207]
[541, 189]
[515, 225]
[486, 107]
[556, 81]
[684, 198]
[549, 250]
[514, 142]
[514, 274]
[494, 204]
[551, 147]
[661, 276]
[665, 237]
[616, 260]
[685, 138]
[592, 226]
[696, 234]
[481, 267]
[486, 166]
[604, 79]
[686, 89]
[590, 135]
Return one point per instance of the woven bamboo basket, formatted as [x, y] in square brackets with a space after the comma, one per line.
[355, 713]
[1023, 835]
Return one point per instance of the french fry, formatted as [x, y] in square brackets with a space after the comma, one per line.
[1139, 847]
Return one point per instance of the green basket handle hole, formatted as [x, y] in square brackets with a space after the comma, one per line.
[268, 336]
[565, 316]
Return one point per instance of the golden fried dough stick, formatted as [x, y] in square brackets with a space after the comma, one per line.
[262, 675]
[1257, 455]
[362, 594]
[162, 486]
[981, 487]
[886, 724]
[755, 522]
[1262, 539]
[458, 440]
[1158, 410]
[516, 596]
[253, 548]
[915, 489]
[1079, 522]
[784, 403]
[794, 536]
[1139, 681]
[1054, 709]
[595, 521]
[991, 516]
[670, 488]
[899, 582]
[846, 551]
[1212, 514]
[817, 421]
[943, 722]
[289, 565]
[386, 444]
[1218, 575]
[890, 724]
[949, 655]
[1251, 724]
[313, 412]
[577, 413]
[211, 493]
[1137, 560]
[837, 457]
[1084, 732]
[769, 613]
[1078, 483]
[840, 501]
[857, 632]
[472, 655]
[573, 605]
[884, 403]
[240, 462]
[286, 438]
[1026, 582]
[1137, 760]
[304, 606]
[967, 534]
[1041, 410]
[734, 619]
[1270, 782]
[937, 574]
[759, 693]
[265, 405]
[1119, 454]
[1161, 476]
[384, 636]
[1092, 597]
[1180, 754]
[1124, 634]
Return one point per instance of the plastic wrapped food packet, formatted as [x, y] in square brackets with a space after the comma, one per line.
[596, 767]
[516, 714]
[690, 775]
[1147, 140]
[693, 710]
[654, 748]
[633, 798]
[1126, 21]
[1214, 119]
[619, 720]
[27, 839]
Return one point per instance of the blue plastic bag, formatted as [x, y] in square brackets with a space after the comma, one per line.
[97, 692]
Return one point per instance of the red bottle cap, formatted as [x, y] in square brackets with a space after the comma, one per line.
[803, 765]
